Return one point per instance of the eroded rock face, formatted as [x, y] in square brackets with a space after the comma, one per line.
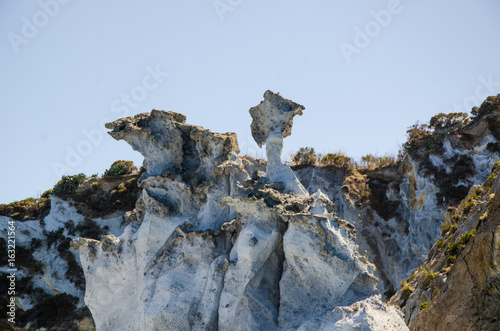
[273, 115]
[234, 251]
[398, 210]
[272, 121]
[457, 288]
[169, 144]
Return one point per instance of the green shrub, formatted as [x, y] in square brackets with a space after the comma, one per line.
[407, 291]
[439, 243]
[338, 160]
[306, 156]
[429, 277]
[53, 237]
[445, 228]
[58, 305]
[88, 228]
[120, 168]
[122, 188]
[46, 194]
[451, 259]
[424, 305]
[372, 161]
[436, 292]
[443, 121]
[25, 259]
[455, 248]
[68, 184]
[495, 165]
[468, 206]
[95, 185]
[490, 179]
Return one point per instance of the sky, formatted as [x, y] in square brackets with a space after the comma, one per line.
[364, 70]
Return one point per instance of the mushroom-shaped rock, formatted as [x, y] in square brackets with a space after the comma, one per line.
[273, 115]
[272, 121]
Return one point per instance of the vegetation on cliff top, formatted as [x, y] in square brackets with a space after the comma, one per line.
[92, 195]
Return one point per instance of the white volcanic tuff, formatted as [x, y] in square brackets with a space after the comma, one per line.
[174, 270]
[250, 297]
[322, 267]
[276, 170]
[169, 144]
[367, 314]
[403, 244]
[53, 280]
[482, 158]
[272, 121]
[273, 115]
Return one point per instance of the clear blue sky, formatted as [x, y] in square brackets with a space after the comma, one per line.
[365, 71]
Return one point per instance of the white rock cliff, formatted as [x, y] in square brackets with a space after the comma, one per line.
[215, 244]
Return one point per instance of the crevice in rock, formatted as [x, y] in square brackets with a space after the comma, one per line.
[281, 268]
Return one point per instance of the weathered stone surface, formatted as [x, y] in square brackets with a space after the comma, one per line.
[273, 115]
[268, 258]
[460, 278]
[272, 121]
[169, 144]
[236, 251]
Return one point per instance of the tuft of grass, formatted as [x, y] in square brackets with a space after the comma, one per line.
[445, 228]
[451, 259]
[455, 248]
[424, 305]
[122, 188]
[429, 277]
[406, 292]
[495, 166]
[468, 206]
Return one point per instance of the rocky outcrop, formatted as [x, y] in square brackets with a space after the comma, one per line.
[273, 115]
[235, 249]
[398, 210]
[457, 287]
[272, 121]
[219, 241]
[50, 284]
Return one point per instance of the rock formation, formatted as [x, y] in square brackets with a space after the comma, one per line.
[398, 210]
[203, 239]
[458, 286]
[215, 244]
[272, 121]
